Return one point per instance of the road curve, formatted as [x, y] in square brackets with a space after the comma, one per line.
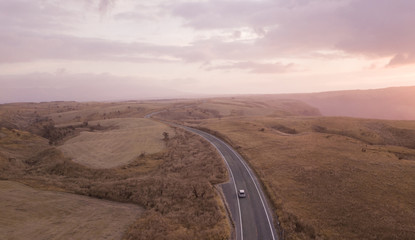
[252, 215]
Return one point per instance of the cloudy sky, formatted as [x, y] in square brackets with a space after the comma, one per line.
[133, 49]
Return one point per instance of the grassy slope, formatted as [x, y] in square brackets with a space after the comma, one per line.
[238, 107]
[175, 186]
[330, 178]
[335, 178]
[24, 115]
[126, 139]
[26, 211]
[396, 103]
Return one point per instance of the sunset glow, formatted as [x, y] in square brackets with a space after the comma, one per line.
[124, 49]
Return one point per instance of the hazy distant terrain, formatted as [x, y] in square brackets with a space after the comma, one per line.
[390, 103]
[105, 103]
[326, 177]
[236, 107]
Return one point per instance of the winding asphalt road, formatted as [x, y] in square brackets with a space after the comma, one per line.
[252, 216]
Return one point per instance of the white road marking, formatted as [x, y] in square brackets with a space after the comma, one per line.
[260, 195]
[233, 180]
[246, 167]
[250, 174]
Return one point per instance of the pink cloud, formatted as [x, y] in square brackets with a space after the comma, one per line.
[402, 59]
[261, 68]
[218, 14]
[105, 5]
[24, 47]
[373, 28]
[33, 16]
[31, 31]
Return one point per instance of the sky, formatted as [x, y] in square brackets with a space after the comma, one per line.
[89, 50]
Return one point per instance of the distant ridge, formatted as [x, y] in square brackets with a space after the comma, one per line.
[395, 103]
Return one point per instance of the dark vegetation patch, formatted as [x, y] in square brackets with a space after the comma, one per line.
[393, 135]
[179, 193]
[284, 129]
[375, 134]
[46, 127]
[57, 135]
[403, 155]
[189, 113]
[320, 129]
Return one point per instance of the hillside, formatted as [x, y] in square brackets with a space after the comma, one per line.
[124, 140]
[327, 177]
[110, 152]
[26, 211]
[396, 103]
[236, 107]
[330, 178]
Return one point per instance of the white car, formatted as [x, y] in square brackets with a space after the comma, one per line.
[241, 193]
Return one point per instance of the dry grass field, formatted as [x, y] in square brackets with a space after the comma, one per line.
[395, 103]
[331, 178]
[125, 140]
[24, 115]
[174, 186]
[327, 177]
[238, 107]
[246, 106]
[27, 213]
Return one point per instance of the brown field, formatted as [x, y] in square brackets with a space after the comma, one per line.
[125, 140]
[25, 115]
[327, 177]
[332, 178]
[238, 107]
[27, 213]
[396, 103]
[174, 186]
[246, 106]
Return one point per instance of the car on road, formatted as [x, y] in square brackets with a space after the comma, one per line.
[241, 193]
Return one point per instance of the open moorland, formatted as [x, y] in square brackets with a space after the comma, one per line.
[238, 107]
[168, 173]
[124, 140]
[327, 177]
[397, 103]
[27, 213]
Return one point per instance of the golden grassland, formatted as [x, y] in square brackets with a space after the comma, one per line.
[245, 106]
[125, 140]
[23, 115]
[175, 185]
[237, 107]
[395, 103]
[28, 213]
[331, 178]
[327, 177]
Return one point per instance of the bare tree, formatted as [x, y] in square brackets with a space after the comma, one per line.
[166, 136]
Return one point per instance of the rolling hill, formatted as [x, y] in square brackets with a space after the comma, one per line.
[396, 103]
